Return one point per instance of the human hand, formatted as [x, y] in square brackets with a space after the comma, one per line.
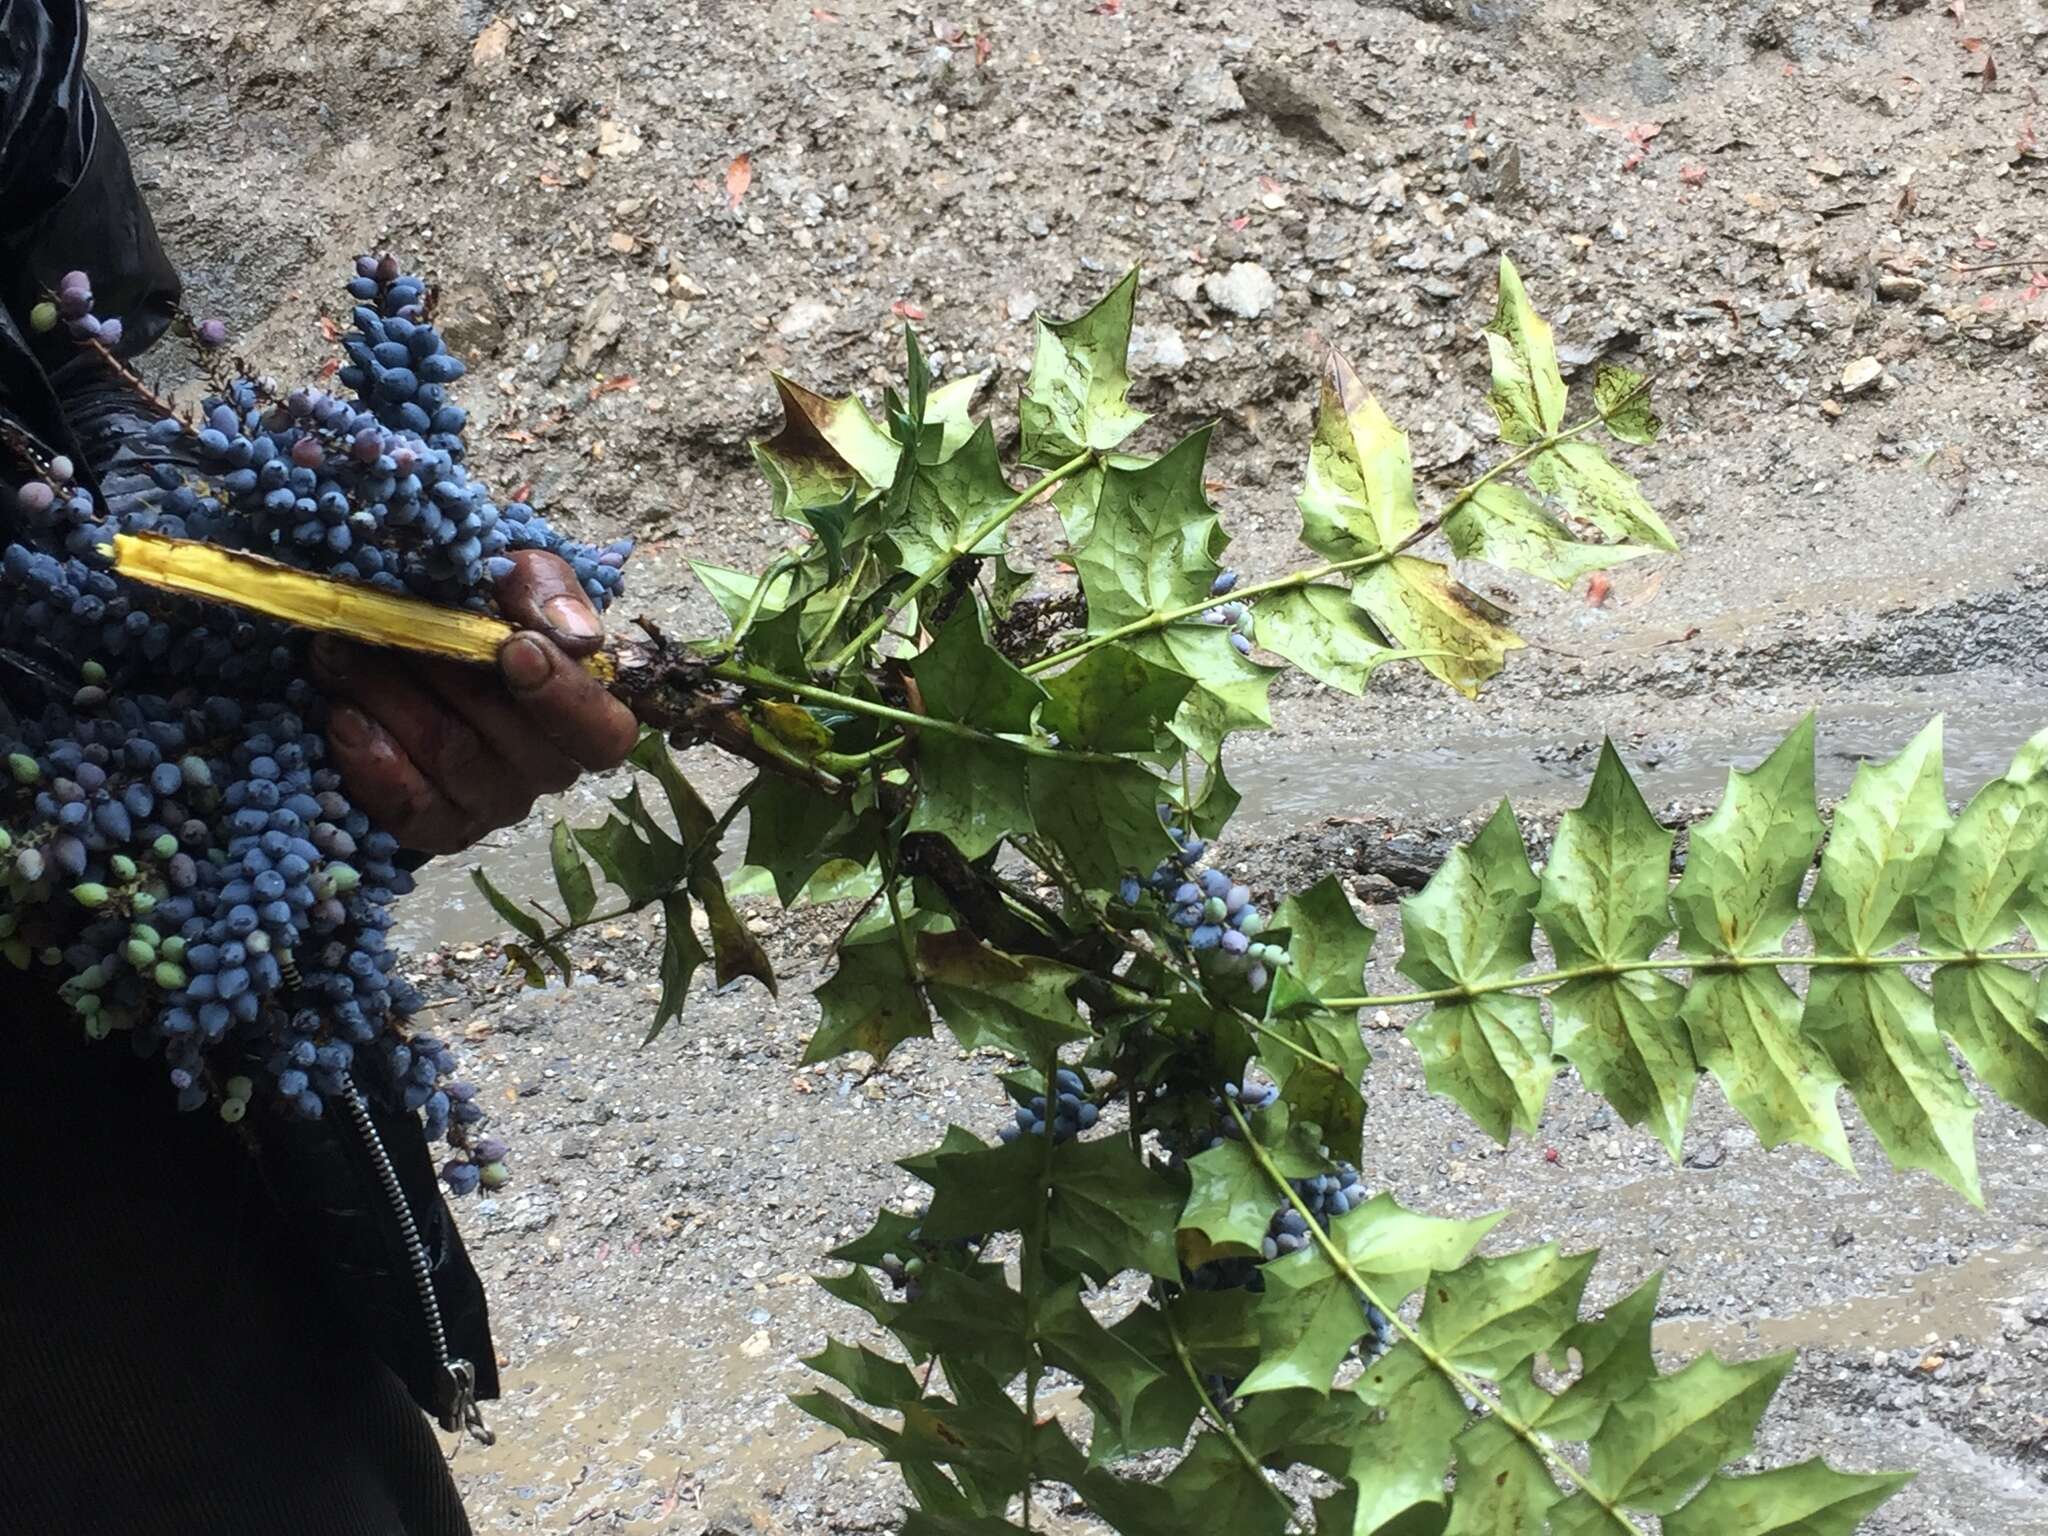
[438, 754]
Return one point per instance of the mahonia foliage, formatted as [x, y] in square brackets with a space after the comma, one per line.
[941, 745]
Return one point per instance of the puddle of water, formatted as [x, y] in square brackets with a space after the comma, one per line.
[1962, 1301]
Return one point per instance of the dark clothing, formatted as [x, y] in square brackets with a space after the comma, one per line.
[205, 1330]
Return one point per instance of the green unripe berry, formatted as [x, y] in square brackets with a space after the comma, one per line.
[196, 773]
[6, 841]
[28, 864]
[142, 903]
[257, 943]
[93, 673]
[121, 867]
[92, 978]
[168, 976]
[42, 319]
[52, 955]
[217, 856]
[336, 880]
[89, 893]
[97, 1028]
[165, 847]
[239, 1087]
[232, 1110]
[494, 1175]
[87, 1003]
[1214, 910]
[147, 934]
[1253, 925]
[914, 1267]
[17, 953]
[26, 770]
[8, 923]
[138, 954]
[173, 947]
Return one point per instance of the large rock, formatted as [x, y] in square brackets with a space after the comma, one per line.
[1247, 290]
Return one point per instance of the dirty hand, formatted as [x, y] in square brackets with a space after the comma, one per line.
[438, 754]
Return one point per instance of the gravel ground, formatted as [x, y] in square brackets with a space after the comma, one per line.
[1809, 220]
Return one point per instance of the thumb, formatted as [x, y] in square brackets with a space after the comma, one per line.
[542, 593]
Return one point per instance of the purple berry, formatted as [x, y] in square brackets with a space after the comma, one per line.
[1242, 646]
[213, 333]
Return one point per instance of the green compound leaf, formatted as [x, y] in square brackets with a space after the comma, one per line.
[1878, 1029]
[1155, 542]
[1113, 700]
[1623, 1035]
[1622, 397]
[1111, 1210]
[1212, 1489]
[1402, 1421]
[1592, 488]
[1655, 1446]
[1320, 630]
[1887, 834]
[1809, 1499]
[1606, 887]
[1016, 1003]
[1490, 1315]
[1503, 1486]
[1077, 396]
[1228, 1206]
[1113, 1376]
[1310, 1316]
[1528, 391]
[1457, 635]
[1740, 891]
[1358, 497]
[1229, 693]
[962, 677]
[681, 954]
[1327, 951]
[572, 876]
[1502, 526]
[973, 794]
[1614, 1359]
[870, 1004]
[733, 591]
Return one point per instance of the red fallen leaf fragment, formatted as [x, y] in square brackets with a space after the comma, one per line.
[1598, 585]
[1637, 133]
[1985, 243]
[329, 368]
[982, 49]
[613, 385]
[1635, 159]
[1240, 221]
[738, 177]
[1471, 121]
[947, 31]
[1693, 175]
[329, 330]
[1108, 8]
[903, 309]
[524, 493]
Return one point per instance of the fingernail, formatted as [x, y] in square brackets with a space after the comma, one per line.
[525, 663]
[330, 655]
[350, 728]
[572, 617]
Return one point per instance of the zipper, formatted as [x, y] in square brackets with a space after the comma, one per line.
[458, 1377]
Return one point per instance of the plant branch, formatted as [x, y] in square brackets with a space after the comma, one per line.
[991, 525]
[1216, 1415]
[1698, 963]
[1470, 1386]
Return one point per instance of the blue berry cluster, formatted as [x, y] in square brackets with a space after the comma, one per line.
[1213, 912]
[173, 840]
[1237, 615]
[1072, 1111]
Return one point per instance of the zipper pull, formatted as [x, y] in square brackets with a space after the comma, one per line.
[463, 1412]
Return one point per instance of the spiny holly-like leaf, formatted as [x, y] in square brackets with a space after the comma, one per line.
[1156, 540]
[1310, 1315]
[1076, 397]
[947, 502]
[1161, 1414]
[793, 830]
[1017, 1003]
[1887, 834]
[733, 591]
[1654, 1447]
[1490, 1315]
[971, 794]
[871, 1003]
[1591, 487]
[1740, 890]
[1113, 1210]
[1606, 898]
[1359, 494]
[1809, 1499]
[1322, 631]
[1215, 802]
[1228, 1207]
[1212, 1489]
[1528, 391]
[868, 1376]
[572, 876]
[1229, 693]
[1613, 1355]
[1622, 396]
[1104, 819]
[1504, 1489]
[1745, 1030]
[1456, 634]
[681, 955]
[1471, 924]
[1502, 526]
[1402, 1418]
[947, 408]
[1971, 900]
[1994, 1015]
[1327, 950]
[1113, 700]
[824, 449]
[1113, 1375]
[1878, 1029]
